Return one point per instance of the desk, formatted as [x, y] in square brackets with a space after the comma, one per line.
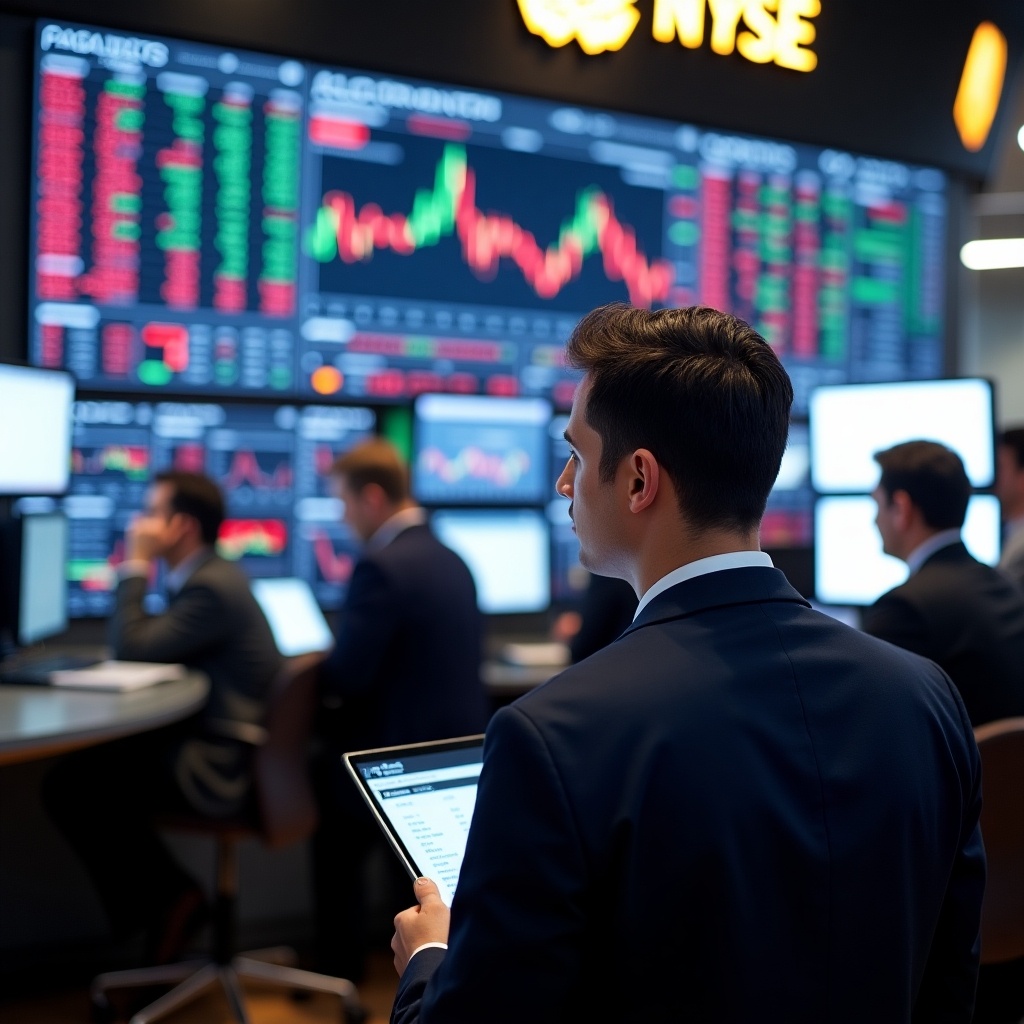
[39, 721]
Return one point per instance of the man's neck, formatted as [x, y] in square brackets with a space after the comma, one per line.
[936, 540]
[687, 547]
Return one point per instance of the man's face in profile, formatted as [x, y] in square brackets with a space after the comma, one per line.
[592, 507]
[159, 528]
[885, 520]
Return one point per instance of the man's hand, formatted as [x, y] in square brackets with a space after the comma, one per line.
[418, 925]
[144, 538]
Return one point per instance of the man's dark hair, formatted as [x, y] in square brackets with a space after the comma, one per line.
[374, 462]
[197, 496]
[1013, 438]
[934, 478]
[702, 390]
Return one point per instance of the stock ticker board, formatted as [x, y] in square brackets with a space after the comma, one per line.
[213, 222]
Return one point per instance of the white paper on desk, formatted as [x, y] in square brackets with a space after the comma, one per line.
[538, 654]
[117, 675]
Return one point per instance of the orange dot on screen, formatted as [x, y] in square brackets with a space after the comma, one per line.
[326, 380]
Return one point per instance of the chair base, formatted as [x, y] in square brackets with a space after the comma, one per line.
[193, 978]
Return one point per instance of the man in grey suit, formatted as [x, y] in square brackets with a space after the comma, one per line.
[103, 799]
[1010, 491]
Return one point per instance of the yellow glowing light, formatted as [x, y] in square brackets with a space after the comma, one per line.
[981, 85]
[776, 30]
[326, 380]
[598, 25]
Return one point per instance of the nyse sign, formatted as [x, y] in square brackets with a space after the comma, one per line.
[774, 31]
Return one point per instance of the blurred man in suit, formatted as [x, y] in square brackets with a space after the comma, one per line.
[405, 668]
[1010, 491]
[103, 799]
[962, 614]
[739, 810]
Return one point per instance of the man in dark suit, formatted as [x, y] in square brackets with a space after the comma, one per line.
[964, 615]
[741, 809]
[405, 668]
[103, 799]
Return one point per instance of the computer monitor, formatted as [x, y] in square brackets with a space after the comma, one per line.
[34, 555]
[480, 450]
[295, 619]
[35, 425]
[851, 568]
[507, 552]
[849, 423]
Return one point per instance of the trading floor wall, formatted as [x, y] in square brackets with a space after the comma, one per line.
[289, 220]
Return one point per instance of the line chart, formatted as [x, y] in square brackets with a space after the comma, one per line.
[352, 233]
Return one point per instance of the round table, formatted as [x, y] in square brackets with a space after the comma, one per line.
[39, 721]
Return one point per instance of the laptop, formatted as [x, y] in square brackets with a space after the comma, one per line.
[295, 618]
[423, 795]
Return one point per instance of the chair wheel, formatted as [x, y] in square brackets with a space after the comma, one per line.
[100, 1010]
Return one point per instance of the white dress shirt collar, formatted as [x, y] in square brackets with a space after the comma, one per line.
[391, 528]
[714, 563]
[934, 543]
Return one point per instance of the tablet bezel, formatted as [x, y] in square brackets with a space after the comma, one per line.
[377, 753]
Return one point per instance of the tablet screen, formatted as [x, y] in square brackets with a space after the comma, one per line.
[423, 797]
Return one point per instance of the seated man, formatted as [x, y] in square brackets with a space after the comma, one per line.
[741, 810]
[405, 668]
[103, 798]
[962, 614]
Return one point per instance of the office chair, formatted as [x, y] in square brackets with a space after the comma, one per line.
[286, 813]
[1002, 825]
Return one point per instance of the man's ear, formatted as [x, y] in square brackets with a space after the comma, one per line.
[644, 476]
[903, 507]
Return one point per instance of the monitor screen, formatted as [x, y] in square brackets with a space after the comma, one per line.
[295, 619]
[42, 586]
[506, 551]
[214, 221]
[850, 423]
[271, 461]
[35, 428]
[850, 567]
[481, 450]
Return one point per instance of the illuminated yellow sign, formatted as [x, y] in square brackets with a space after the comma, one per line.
[598, 25]
[774, 30]
[981, 84]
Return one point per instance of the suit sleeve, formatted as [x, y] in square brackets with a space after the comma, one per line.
[193, 623]
[518, 919]
[947, 990]
[366, 627]
[895, 619]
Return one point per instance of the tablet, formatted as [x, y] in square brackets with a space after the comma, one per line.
[423, 795]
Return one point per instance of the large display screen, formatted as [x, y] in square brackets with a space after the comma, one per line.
[480, 450]
[850, 567]
[271, 462]
[851, 423]
[35, 430]
[212, 221]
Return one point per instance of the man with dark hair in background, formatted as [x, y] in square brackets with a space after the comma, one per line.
[103, 799]
[964, 615]
[739, 810]
[405, 668]
[1010, 491]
